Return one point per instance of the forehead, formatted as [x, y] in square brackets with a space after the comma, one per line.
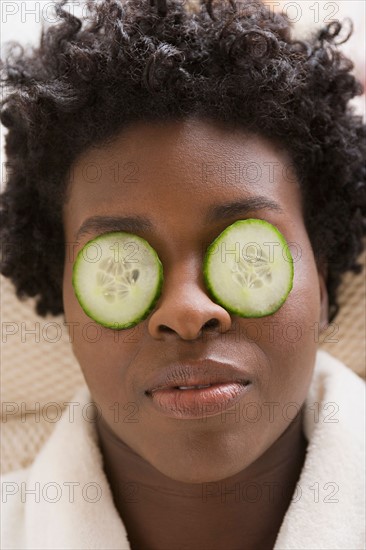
[181, 144]
[187, 164]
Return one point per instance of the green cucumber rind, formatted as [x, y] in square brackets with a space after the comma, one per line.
[150, 307]
[211, 290]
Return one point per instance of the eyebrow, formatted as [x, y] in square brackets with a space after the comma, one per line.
[241, 207]
[215, 213]
[131, 224]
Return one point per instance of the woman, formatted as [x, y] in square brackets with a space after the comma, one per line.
[170, 125]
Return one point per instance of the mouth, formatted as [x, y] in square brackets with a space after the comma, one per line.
[193, 387]
[196, 389]
[194, 375]
[197, 386]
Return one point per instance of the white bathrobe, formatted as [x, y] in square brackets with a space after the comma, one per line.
[63, 499]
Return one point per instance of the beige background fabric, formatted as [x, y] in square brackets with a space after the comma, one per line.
[39, 373]
[346, 336]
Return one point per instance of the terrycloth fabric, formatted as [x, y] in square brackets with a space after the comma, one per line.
[71, 506]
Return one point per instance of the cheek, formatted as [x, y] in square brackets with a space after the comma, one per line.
[290, 335]
[103, 354]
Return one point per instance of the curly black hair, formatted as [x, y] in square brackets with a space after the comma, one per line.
[130, 60]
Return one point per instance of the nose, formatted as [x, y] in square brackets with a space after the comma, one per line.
[184, 308]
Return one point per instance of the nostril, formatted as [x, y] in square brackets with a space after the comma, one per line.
[212, 323]
[164, 328]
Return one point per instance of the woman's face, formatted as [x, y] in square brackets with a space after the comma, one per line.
[173, 174]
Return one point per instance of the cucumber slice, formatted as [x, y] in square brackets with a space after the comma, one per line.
[117, 278]
[248, 268]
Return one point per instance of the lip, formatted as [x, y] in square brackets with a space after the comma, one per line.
[229, 384]
[197, 373]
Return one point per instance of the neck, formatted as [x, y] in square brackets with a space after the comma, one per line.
[243, 511]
